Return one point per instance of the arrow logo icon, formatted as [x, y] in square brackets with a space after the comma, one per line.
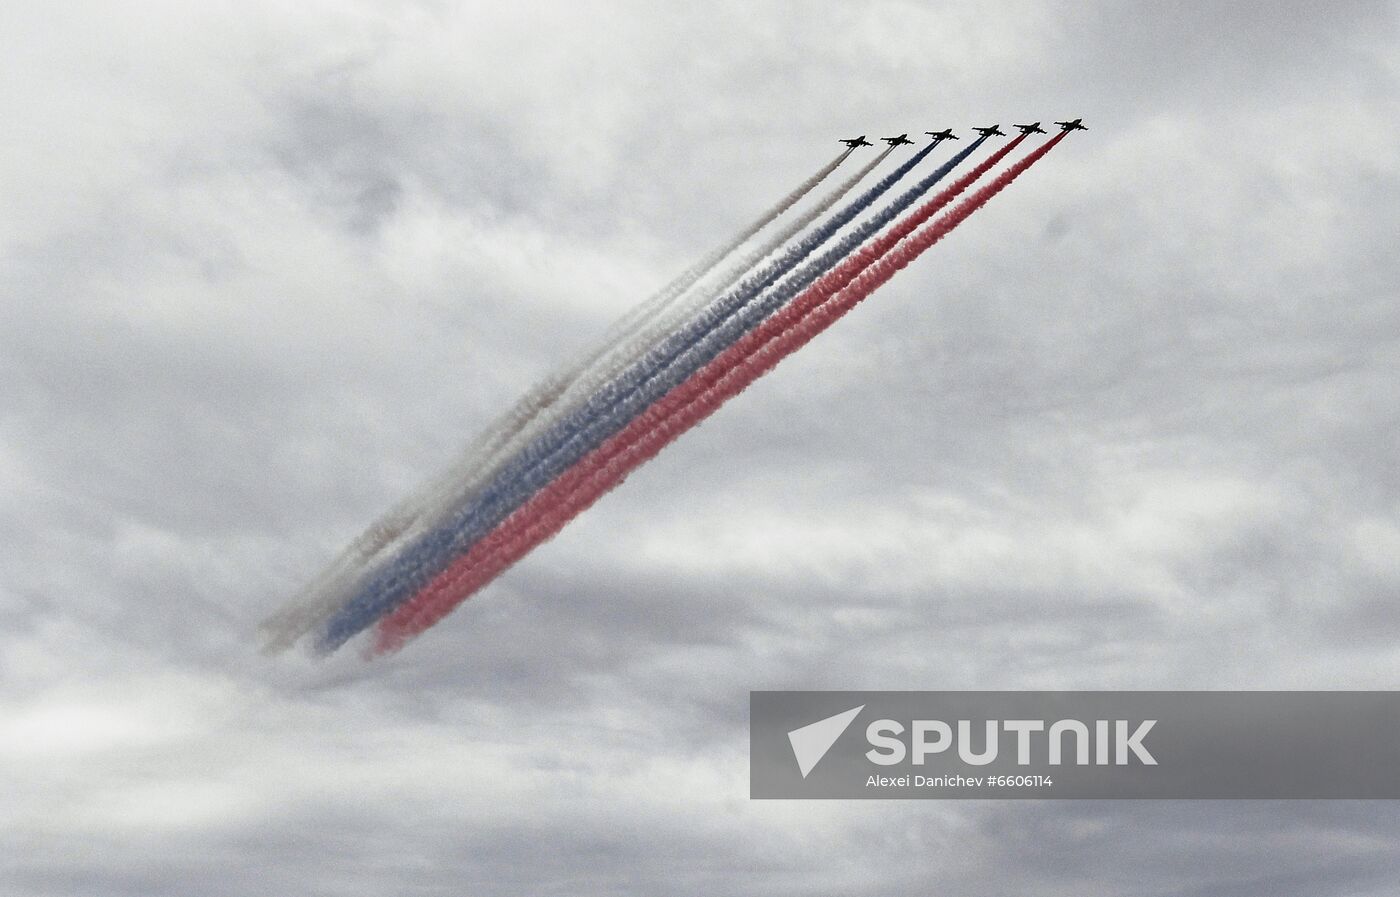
[810, 743]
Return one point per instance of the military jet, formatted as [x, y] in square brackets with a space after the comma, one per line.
[854, 142]
[901, 140]
[945, 134]
[1032, 128]
[993, 131]
[1072, 125]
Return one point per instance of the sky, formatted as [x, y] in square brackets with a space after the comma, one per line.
[266, 267]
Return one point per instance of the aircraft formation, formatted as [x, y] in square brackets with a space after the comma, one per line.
[667, 365]
[947, 133]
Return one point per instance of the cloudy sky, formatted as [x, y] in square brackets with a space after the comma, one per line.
[268, 266]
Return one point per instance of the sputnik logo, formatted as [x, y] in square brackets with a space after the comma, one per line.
[811, 742]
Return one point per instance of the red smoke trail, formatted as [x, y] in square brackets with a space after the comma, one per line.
[746, 360]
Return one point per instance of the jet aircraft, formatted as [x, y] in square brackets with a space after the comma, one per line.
[945, 134]
[1032, 128]
[993, 131]
[897, 141]
[1071, 125]
[854, 142]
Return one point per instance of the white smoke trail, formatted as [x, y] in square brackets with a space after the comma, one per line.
[324, 594]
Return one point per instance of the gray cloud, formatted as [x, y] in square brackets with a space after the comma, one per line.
[1130, 427]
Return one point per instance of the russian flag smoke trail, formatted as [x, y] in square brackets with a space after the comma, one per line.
[613, 405]
[746, 360]
[329, 590]
[426, 509]
[611, 360]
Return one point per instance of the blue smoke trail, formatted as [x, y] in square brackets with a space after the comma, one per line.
[611, 408]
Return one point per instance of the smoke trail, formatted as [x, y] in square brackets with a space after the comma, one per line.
[610, 361]
[742, 363]
[613, 405]
[544, 393]
[609, 409]
[328, 590]
[666, 319]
